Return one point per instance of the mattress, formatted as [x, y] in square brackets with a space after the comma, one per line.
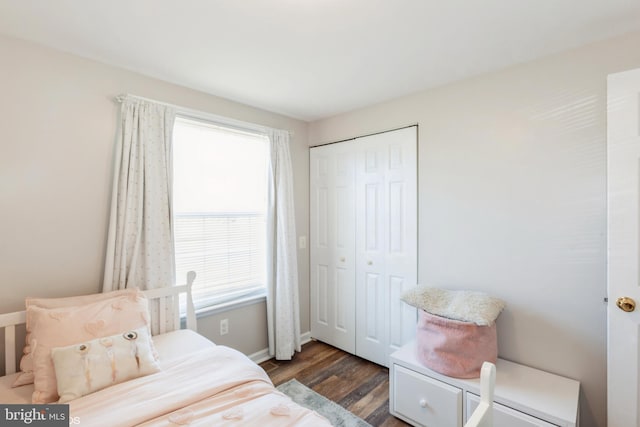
[169, 346]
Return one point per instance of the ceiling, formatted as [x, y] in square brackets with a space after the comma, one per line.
[311, 59]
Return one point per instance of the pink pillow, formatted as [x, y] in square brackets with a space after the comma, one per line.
[60, 327]
[26, 363]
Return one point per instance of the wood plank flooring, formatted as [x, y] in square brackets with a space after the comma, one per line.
[356, 384]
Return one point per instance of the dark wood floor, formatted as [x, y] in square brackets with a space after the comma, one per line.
[358, 385]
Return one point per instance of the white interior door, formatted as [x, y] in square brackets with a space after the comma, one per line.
[332, 245]
[623, 154]
[386, 246]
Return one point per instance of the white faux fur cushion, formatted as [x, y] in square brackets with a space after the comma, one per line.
[466, 306]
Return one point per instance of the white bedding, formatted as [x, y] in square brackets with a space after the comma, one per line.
[169, 346]
[199, 384]
[215, 386]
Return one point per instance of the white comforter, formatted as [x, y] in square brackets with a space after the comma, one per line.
[211, 387]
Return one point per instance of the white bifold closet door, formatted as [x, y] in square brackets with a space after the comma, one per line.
[364, 242]
[332, 245]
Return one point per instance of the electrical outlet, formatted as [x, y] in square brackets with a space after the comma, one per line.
[302, 242]
[224, 326]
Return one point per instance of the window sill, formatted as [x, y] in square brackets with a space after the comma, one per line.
[230, 305]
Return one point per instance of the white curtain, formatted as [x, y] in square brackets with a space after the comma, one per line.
[283, 311]
[140, 250]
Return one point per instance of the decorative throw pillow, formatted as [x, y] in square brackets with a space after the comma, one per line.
[60, 327]
[26, 363]
[93, 365]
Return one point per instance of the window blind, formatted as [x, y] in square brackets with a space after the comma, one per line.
[226, 250]
[219, 203]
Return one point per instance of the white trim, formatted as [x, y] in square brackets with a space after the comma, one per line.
[305, 338]
[260, 356]
[263, 355]
[231, 305]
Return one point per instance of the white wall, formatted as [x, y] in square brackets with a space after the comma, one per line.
[57, 124]
[512, 200]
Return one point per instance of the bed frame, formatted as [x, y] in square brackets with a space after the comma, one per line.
[164, 296]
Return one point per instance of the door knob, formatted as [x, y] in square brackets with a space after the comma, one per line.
[626, 304]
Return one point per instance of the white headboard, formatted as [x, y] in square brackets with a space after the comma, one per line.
[164, 296]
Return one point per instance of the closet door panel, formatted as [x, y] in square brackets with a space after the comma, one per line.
[371, 225]
[320, 295]
[332, 236]
[397, 217]
[322, 209]
[344, 223]
[343, 232]
[371, 331]
[387, 221]
[343, 311]
[319, 241]
[372, 229]
[402, 254]
[371, 309]
[397, 286]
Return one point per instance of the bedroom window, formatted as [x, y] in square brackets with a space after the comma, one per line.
[219, 200]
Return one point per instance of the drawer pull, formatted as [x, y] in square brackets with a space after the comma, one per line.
[423, 403]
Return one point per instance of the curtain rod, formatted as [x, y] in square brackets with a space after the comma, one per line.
[365, 135]
[203, 115]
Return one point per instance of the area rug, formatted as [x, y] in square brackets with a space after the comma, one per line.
[336, 414]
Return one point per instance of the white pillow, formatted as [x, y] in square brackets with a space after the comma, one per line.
[93, 365]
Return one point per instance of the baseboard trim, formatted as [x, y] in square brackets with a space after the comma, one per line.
[305, 338]
[260, 356]
[263, 355]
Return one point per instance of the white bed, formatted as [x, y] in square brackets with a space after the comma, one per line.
[199, 384]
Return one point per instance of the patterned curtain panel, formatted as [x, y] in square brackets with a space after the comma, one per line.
[140, 249]
[283, 311]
